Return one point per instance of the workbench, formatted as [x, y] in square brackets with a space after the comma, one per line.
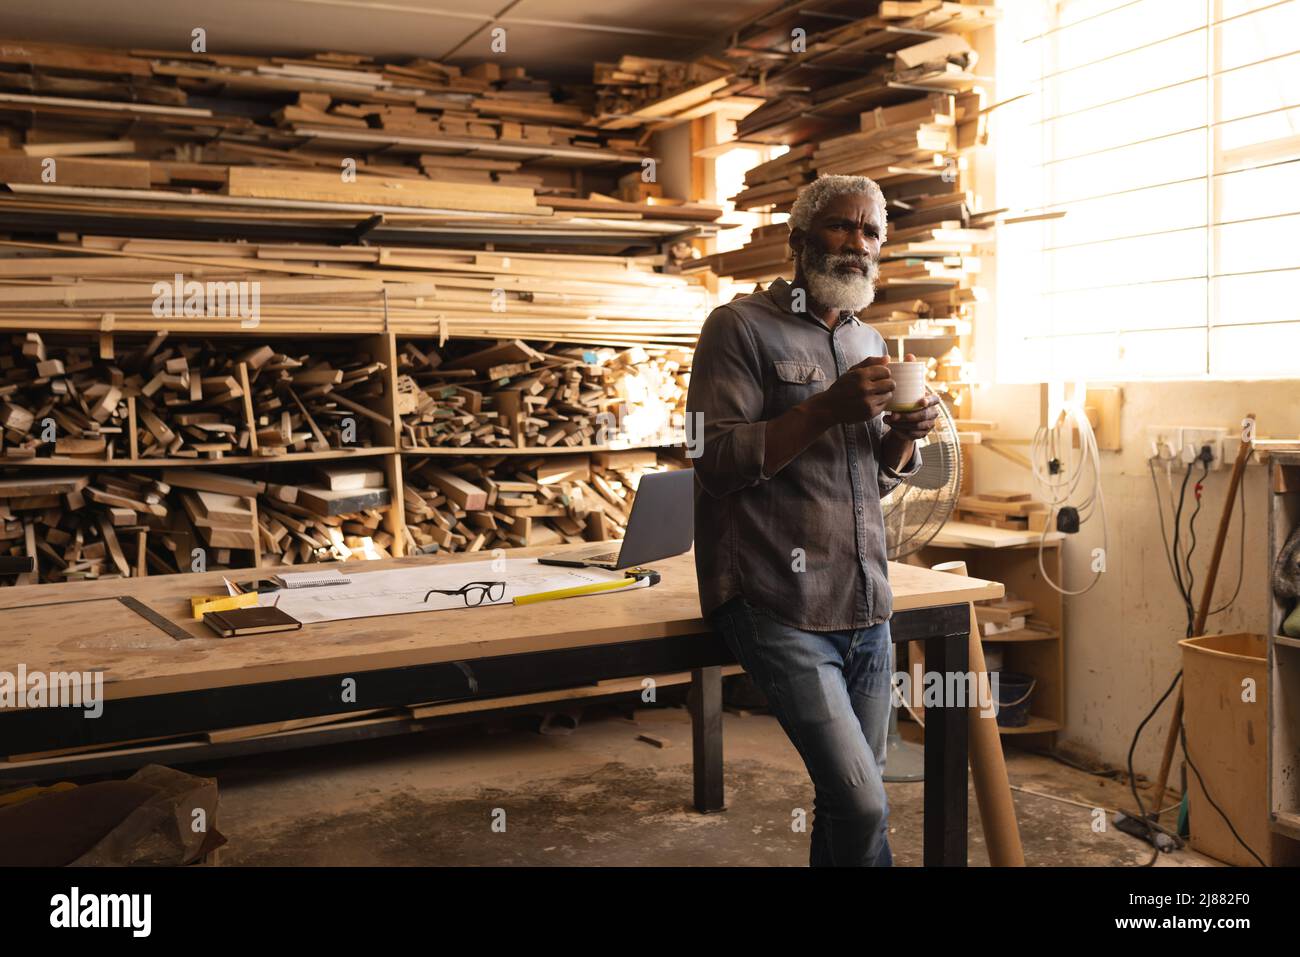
[157, 685]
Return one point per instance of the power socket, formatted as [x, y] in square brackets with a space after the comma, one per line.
[1164, 442]
[1193, 439]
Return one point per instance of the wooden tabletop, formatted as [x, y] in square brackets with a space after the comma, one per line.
[52, 627]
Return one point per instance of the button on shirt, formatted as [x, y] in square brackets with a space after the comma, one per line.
[808, 543]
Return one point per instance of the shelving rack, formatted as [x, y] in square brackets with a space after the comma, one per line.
[1039, 654]
[387, 454]
[1283, 656]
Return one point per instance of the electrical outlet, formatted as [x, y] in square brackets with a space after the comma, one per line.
[1164, 441]
[1193, 438]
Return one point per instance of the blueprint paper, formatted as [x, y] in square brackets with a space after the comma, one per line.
[400, 591]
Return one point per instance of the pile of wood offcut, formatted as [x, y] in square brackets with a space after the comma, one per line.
[116, 523]
[514, 395]
[115, 398]
[512, 501]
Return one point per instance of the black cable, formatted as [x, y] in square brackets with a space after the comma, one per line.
[1178, 524]
[1172, 557]
[1173, 560]
[1191, 627]
[1241, 558]
[1160, 513]
[1191, 531]
[1132, 778]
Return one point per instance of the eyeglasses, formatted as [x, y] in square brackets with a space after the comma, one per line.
[474, 593]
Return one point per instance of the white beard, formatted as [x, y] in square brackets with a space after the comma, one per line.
[847, 292]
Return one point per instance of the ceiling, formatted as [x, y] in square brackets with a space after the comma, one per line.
[547, 37]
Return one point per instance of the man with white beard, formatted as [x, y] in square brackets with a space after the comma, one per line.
[789, 389]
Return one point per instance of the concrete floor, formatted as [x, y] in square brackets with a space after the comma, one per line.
[598, 796]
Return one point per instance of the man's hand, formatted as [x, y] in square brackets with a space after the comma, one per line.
[916, 424]
[860, 394]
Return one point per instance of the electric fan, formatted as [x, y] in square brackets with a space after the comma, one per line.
[914, 512]
[922, 503]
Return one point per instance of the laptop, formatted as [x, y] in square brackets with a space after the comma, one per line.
[662, 524]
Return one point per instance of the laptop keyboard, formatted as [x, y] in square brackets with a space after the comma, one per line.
[609, 557]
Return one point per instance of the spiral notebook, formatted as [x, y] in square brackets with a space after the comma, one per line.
[312, 579]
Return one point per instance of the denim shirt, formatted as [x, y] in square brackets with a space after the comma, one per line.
[808, 543]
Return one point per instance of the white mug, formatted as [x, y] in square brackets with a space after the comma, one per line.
[909, 386]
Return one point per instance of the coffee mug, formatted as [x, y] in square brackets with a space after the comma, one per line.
[909, 386]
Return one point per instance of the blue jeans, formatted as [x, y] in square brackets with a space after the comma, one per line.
[830, 692]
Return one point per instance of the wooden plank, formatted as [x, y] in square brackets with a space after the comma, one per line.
[249, 418]
[324, 501]
[253, 182]
[120, 174]
[84, 148]
[212, 482]
[465, 494]
[114, 548]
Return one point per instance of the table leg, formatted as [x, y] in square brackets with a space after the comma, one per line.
[705, 703]
[946, 756]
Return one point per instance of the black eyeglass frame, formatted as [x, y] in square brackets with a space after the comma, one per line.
[484, 590]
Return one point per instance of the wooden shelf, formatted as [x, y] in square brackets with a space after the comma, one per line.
[531, 449]
[1022, 634]
[1286, 641]
[1288, 823]
[1034, 652]
[999, 538]
[237, 460]
[1036, 725]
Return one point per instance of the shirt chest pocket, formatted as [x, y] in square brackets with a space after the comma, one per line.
[795, 380]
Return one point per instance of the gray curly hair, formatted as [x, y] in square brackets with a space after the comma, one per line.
[813, 198]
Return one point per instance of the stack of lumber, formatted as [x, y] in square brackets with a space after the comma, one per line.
[318, 143]
[1016, 511]
[510, 394]
[639, 90]
[762, 259]
[891, 97]
[853, 68]
[774, 185]
[99, 282]
[138, 398]
[766, 40]
[112, 524]
[305, 97]
[506, 501]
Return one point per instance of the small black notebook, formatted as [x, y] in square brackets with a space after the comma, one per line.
[250, 621]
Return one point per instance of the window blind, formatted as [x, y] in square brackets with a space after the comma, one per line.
[1168, 133]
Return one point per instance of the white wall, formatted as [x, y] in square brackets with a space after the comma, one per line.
[1121, 646]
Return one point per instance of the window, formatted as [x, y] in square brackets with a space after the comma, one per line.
[1168, 133]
